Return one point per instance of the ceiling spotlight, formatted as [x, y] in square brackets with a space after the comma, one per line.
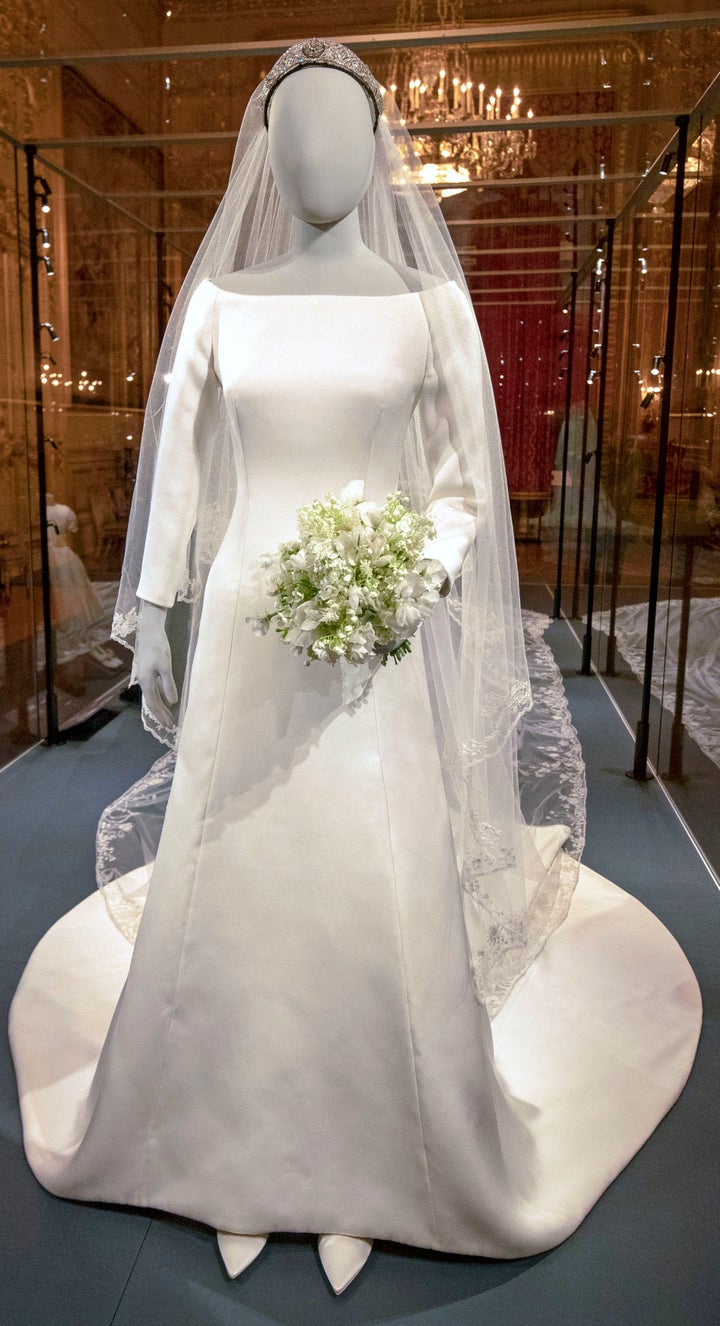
[647, 400]
[43, 191]
[48, 265]
[49, 328]
[668, 162]
[45, 237]
[655, 370]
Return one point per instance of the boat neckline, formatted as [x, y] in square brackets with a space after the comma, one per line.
[323, 294]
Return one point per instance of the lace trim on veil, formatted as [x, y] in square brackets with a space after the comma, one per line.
[549, 747]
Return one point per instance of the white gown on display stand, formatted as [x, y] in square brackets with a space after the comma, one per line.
[294, 1042]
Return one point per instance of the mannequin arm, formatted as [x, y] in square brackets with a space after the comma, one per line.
[454, 504]
[190, 413]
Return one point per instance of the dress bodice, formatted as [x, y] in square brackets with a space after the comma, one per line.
[61, 520]
[312, 392]
[318, 390]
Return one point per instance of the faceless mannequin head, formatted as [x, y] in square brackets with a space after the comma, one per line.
[321, 144]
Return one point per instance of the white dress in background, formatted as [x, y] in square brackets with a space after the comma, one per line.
[294, 1043]
[74, 603]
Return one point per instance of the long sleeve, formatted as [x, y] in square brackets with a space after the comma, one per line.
[454, 502]
[190, 409]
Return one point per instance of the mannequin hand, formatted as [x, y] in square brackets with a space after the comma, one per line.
[153, 667]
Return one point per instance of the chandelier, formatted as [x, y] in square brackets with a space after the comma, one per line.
[436, 84]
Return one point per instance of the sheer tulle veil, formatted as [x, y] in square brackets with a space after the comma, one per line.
[516, 808]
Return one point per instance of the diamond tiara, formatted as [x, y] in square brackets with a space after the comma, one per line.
[333, 55]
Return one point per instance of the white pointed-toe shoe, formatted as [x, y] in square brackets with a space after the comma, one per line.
[239, 1250]
[342, 1256]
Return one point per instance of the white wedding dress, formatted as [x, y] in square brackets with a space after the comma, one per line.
[294, 1042]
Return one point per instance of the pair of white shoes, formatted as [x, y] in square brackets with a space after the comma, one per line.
[342, 1255]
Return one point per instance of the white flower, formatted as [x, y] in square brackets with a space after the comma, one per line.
[353, 491]
[298, 560]
[370, 514]
[433, 571]
[360, 644]
[308, 617]
[408, 616]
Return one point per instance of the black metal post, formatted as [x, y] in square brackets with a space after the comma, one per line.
[592, 560]
[52, 732]
[557, 602]
[642, 737]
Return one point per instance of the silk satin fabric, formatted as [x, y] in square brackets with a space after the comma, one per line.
[294, 1043]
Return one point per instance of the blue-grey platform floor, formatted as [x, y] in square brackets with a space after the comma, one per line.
[646, 1253]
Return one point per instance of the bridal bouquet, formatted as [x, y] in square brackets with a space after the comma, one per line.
[354, 582]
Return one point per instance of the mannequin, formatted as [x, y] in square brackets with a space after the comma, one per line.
[321, 152]
[77, 612]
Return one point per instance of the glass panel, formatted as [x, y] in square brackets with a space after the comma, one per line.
[684, 714]
[97, 357]
[687, 638]
[20, 590]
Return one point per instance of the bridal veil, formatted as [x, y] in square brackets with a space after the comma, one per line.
[516, 809]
